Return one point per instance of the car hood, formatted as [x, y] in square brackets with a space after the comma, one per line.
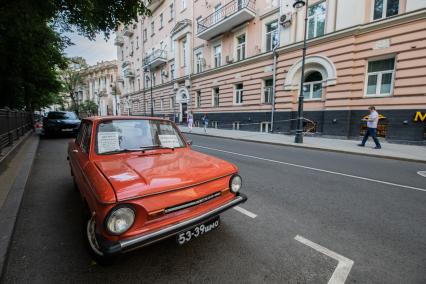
[135, 176]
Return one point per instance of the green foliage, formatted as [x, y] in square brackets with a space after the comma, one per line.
[31, 46]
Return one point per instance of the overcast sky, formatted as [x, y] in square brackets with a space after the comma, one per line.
[92, 51]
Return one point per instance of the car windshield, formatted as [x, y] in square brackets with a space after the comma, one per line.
[62, 115]
[115, 136]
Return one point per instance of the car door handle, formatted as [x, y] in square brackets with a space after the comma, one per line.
[75, 151]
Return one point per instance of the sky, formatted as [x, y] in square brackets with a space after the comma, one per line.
[92, 51]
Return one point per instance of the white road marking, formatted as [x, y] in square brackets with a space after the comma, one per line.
[422, 173]
[344, 264]
[316, 169]
[245, 212]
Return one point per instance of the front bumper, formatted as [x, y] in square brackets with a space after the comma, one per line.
[112, 248]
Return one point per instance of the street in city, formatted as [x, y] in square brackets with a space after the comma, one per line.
[311, 217]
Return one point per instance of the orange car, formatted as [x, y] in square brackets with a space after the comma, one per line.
[142, 183]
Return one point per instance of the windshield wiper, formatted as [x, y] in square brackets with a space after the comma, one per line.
[120, 151]
[151, 147]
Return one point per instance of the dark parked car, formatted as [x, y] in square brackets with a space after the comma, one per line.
[61, 123]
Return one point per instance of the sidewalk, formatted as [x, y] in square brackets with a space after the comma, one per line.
[389, 150]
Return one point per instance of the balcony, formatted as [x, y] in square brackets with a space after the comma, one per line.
[129, 73]
[127, 31]
[156, 58]
[225, 18]
[119, 40]
[125, 63]
[152, 5]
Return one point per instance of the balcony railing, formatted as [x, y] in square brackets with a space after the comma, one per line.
[225, 18]
[152, 5]
[129, 73]
[155, 58]
[128, 31]
[119, 40]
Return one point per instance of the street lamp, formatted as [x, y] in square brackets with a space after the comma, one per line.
[150, 80]
[299, 130]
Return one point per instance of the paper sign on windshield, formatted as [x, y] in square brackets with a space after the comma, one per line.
[108, 141]
[169, 141]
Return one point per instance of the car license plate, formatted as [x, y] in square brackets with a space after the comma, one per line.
[197, 231]
[66, 130]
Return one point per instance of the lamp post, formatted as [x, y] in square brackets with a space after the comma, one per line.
[150, 79]
[299, 130]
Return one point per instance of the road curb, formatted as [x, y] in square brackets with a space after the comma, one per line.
[312, 148]
[11, 206]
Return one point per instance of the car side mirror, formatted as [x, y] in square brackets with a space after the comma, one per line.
[189, 142]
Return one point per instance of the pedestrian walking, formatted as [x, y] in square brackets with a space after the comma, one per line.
[190, 121]
[372, 121]
[205, 120]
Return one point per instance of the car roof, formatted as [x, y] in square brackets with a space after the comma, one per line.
[115, 117]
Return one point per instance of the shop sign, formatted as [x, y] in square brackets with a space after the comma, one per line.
[419, 116]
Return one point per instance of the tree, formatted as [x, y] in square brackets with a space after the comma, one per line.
[31, 45]
[72, 77]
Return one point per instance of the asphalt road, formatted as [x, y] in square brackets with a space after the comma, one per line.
[371, 211]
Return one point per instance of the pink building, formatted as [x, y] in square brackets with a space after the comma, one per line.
[220, 61]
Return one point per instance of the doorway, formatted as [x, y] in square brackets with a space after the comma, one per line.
[184, 112]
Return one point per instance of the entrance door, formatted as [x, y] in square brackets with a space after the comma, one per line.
[184, 112]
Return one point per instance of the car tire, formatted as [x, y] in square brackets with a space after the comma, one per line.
[91, 242]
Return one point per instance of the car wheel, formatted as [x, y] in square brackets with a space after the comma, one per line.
[93, 246]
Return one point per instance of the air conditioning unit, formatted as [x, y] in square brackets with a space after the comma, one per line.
[285, 20]
[187, 83]
[229, 59]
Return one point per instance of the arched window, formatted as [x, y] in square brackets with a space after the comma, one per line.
[312, 86]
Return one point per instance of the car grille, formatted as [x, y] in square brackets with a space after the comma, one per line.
[192, 203]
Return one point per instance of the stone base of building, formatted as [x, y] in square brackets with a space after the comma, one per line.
[395, 125]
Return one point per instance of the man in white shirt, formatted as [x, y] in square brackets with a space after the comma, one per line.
[372, 121]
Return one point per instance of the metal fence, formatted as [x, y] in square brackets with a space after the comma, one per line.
[13, 125]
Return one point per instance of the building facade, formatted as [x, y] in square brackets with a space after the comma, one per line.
[239, 62]
[100, 86]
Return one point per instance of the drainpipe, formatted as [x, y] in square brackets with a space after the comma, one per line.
[274, 75]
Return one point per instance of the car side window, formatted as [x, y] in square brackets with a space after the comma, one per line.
[85, 145]
[80, 133]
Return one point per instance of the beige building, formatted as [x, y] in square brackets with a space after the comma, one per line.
[100, 87]
[217, 57]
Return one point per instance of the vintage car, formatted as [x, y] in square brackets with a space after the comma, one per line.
[142, 183]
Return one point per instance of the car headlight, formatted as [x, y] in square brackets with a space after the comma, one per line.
[235, 183]
[120, 219]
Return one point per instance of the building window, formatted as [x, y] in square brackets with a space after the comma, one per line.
[271, 35]
[137, 42]
[139, 84]
[312, 86]
[217, 13]
[183, 3]
[145, 35]
[215, 100]
[154, 78]
[171, 9]
[380, 77]
[184, 52]
[385, 8]
[198, 99]
[131, 52]
[172, 71]
[265, 126]
[236, 125]
[241, 47]
[152, 29]
[161, 21]
[217, 51]
[199, 61]
[162, 75]
[268, 91]
[316, 20]
[162, 104]
[172, 103]
[239, 94]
